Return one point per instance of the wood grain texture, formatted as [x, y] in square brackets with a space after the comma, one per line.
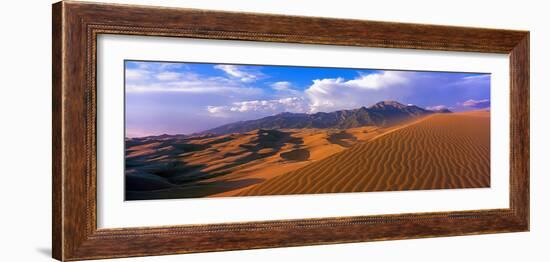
[519, 129]
[57, 195]
[75, 29]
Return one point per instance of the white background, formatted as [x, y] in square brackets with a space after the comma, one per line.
[25, 151]
[114, 212]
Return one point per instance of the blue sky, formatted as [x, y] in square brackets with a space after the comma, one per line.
[183, 98]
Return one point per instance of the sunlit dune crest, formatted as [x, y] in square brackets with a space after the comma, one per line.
[438, 152]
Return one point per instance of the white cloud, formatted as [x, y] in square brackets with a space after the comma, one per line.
[239, 72]
[436, 108]
[281, 86]
[379, 80]
[168, 76]
[478, 77]
[336, 93]
[136, 74]
[323, 95]
[216, 110]
[163, 77]
[195, 86]
[483, 103]
[266, 107]
[473, 80]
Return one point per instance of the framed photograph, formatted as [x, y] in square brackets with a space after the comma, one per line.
[182, 130]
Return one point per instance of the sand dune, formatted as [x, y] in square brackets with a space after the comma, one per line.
[214, 166]
[437, 152]
[434, 152]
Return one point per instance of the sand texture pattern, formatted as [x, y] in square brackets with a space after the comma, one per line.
[440, 151]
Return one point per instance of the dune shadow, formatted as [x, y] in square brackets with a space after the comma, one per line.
[296, 155]
[193, 190]
[157, 169]
[165, 148]
[165, 174]
[270, 139]
[220, 140]
[342, 138]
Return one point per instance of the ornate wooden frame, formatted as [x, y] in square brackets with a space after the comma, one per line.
[76, 26]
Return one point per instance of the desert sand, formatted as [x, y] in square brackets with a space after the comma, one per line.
[437, 152]
[433, 152]
[226, 165]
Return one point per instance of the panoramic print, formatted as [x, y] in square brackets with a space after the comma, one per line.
[195, 130]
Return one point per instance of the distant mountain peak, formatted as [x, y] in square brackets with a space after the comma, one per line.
[388, 103]
[442, 110]
[380, 114]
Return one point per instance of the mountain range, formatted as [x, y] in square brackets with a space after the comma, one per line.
[383, 113]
